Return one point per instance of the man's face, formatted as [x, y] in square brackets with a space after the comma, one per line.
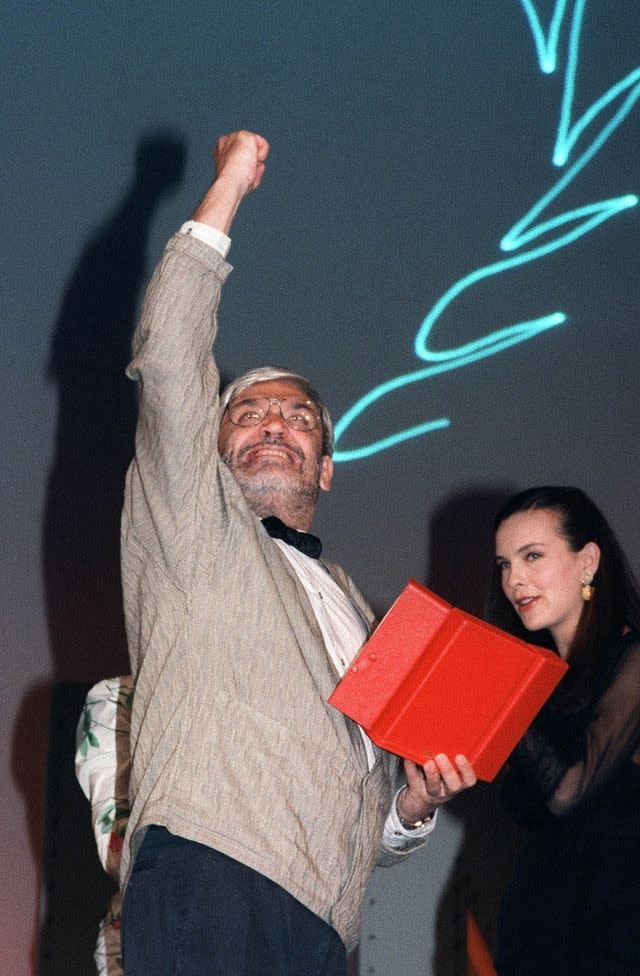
[273, 457]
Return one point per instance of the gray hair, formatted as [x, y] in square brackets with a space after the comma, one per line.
[264, 374]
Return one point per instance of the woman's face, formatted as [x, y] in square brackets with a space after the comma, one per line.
[541, 575]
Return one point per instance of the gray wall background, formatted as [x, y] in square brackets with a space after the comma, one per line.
[407, 139]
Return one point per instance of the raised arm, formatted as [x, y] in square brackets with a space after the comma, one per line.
[176, 438]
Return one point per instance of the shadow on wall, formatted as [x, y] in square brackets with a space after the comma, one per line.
[95, 430]
[81, 527]
[460, 565]
[462, 545]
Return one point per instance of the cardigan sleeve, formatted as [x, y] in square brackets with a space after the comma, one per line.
[178, 386]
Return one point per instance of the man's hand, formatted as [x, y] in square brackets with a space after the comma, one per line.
[433, 784]
[239, 159]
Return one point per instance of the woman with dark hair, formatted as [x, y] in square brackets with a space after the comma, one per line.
[562, 580]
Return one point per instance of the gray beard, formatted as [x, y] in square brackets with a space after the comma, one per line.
[270, 496]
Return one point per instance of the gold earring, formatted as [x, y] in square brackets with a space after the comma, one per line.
[587, 589]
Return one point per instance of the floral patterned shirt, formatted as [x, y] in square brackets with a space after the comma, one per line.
[102, 768]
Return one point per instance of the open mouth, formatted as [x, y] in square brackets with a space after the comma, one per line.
[525, 603]
[277, 452]
[276, 449]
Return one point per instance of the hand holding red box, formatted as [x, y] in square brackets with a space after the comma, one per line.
[433, 679]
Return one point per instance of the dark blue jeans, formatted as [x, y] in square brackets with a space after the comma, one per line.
[191, 911]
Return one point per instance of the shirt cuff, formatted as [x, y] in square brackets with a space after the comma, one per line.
[216, 239]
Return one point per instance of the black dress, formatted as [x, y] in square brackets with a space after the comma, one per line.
[573, 905]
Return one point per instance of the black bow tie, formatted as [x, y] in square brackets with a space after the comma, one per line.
[309, 544]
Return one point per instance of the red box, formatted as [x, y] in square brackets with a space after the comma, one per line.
[433, 679]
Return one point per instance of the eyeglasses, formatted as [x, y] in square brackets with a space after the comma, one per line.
[297, 414]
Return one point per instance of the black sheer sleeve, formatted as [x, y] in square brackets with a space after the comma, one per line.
[566, 759]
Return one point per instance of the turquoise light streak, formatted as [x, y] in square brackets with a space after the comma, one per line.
[547, 48]
[534, 239]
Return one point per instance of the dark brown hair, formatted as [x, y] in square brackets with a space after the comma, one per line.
[615, 604]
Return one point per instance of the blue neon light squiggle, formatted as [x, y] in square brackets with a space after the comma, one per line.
[558, 231]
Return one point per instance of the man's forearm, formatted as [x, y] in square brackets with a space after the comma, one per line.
[218, 206]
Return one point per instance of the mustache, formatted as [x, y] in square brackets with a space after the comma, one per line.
[271, 442]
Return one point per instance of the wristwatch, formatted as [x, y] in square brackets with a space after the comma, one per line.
[412, 824]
